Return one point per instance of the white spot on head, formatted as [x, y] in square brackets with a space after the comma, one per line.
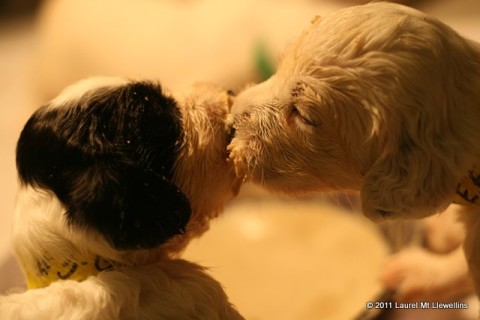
[78, 89]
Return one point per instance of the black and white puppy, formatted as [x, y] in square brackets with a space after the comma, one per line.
[116, 177]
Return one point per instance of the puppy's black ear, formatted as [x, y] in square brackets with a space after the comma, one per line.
[132, 207]
[109, 157]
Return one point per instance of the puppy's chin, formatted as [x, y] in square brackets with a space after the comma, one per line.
[381, 215]
[376, 213]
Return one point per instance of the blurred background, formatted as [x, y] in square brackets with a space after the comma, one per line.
[313, 258]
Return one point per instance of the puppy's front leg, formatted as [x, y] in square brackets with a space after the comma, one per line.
[71, 300]
[472, 244]
[419, 275]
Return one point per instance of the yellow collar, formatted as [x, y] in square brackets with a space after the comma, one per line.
[468, 189]
[49, 269]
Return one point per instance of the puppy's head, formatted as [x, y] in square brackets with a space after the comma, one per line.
[124, 158]
[378, 98]
[280, 129]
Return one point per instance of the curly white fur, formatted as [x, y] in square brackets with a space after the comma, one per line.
[379, 98]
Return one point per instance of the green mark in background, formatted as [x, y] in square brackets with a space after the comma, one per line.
[263, 61]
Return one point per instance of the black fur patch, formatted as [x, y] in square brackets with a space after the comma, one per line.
[109, 157]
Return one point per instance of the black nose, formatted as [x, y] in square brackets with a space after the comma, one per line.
[231, 93]
[231, 132]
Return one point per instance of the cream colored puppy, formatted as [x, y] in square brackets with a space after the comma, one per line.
[116, 177]
[379, 98]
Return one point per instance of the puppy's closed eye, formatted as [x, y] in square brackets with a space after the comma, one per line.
[299, 115]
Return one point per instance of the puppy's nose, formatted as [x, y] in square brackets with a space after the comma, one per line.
[231, 132]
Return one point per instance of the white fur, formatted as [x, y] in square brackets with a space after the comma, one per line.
[166, 289]
[76, 90]
[437, 272]
[146, 284]
[379, 98]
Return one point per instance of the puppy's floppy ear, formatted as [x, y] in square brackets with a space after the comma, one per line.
[410, 181]
[109, 158]
[130, 206]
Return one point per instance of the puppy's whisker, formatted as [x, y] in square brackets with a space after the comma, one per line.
[394, 114]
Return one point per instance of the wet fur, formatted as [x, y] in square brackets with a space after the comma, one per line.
[379, 98]
[122, 170]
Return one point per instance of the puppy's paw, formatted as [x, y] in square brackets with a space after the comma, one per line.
[445, 232]
[418, 275]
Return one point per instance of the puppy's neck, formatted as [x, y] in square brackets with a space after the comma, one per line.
[468, 189]
[46, 248]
